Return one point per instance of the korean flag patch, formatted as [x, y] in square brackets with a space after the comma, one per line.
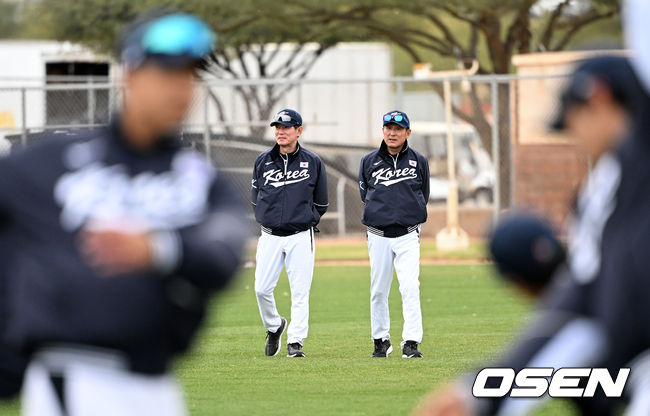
[413, 163]
[304, 164]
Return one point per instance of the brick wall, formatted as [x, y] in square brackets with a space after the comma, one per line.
[547, 176]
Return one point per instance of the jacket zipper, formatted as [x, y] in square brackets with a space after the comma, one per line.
[284, 188]
[285, 168]
[395, 160]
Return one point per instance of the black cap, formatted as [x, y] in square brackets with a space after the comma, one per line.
[525, 250]
[397, 117]
[288, 118]
[613, 72]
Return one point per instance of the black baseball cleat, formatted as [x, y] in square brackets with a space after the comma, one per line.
[410, 350]
[295, 350]
[273, 339]
[382, 348]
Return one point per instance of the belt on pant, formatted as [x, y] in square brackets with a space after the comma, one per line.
[280, 233]
[57, 357]
[392, 231]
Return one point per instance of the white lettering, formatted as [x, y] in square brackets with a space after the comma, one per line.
[534, 382]
[388, 177]
[101, 193]
[276, 178]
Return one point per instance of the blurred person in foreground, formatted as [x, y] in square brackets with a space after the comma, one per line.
[121, 235]
[594, 313]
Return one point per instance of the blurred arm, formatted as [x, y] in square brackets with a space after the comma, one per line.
[209, 253]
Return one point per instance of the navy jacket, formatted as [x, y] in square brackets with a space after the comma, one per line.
[394, 190]
[12, 362]
[289, 192]
[56, 188]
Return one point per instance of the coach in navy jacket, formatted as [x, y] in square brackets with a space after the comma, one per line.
[394, 186]
[289, 193]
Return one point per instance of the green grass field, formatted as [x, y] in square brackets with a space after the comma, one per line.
[468, 316]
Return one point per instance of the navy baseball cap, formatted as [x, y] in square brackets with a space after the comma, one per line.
[613, 72]
[526, 250]
[287, 117]
[397, 117]
[169, 40]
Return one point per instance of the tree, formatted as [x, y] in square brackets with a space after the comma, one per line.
[8, 25]
[253, 39]
[268, 42]
[461, 30]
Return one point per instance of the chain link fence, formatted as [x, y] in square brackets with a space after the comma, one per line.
[497, 126]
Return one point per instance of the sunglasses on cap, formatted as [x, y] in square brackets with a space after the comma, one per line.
[398, 118]
[284, 117]
[177, 35]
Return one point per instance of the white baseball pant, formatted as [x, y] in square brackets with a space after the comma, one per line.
[404, 253]
[296, 254]
[93, 383]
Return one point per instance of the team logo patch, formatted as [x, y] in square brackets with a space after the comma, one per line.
[413, 163]
[277, 178]
[304, 164]
[388, 177]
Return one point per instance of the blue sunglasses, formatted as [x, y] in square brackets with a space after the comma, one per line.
[398, 118]
[179, 34]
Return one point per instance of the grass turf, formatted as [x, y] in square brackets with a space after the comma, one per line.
[353, 250]
[468, 317]
[428, 250]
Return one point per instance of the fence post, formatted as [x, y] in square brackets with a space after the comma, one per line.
[452, 197]
[369, 118]
[91, 102]
[496, 194]
[23, 113]
[340, 205]
[299, 94]
[400, 94]
[206, 124]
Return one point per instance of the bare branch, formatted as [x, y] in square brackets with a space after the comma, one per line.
[578, 24]
[547, 33]
[220, 110]
[444, 29]
[518, 32]
[459, 16]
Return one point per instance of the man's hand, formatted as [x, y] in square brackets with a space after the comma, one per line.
[447, 402]
[114, 252]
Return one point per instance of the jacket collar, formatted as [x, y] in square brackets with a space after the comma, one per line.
[275, 152]
[383, 149]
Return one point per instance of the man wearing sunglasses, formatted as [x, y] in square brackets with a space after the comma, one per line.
[289, 195]
[121, 236]
[394, 185]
